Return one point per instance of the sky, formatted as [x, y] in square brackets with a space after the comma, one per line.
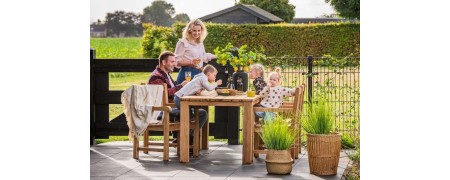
[199, 8]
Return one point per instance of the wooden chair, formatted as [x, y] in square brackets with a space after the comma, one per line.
[295, 108]
[166, 126]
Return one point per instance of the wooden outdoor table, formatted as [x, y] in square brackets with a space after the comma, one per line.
[237, 100]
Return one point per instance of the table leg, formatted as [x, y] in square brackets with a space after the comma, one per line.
[196, 133]
[205, 132]
[184, 132]
[247, 149]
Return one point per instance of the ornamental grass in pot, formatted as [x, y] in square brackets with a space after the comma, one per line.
[323, 145]
[278, 137]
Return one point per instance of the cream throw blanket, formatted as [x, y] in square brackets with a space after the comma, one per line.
[138, 102]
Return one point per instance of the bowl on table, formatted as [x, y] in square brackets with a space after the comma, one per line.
[232, 92]
[226, 92]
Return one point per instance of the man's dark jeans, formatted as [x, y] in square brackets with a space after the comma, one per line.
[175, 114]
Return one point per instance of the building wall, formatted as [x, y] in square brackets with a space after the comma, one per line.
[98, 34]
[237, 16]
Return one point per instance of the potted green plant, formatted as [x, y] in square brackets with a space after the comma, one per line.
[323, 145]
[278, 136]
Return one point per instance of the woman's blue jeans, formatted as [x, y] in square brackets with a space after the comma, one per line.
[183, 69]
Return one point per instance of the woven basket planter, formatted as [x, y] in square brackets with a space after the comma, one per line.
[279, 161]
[323, 153]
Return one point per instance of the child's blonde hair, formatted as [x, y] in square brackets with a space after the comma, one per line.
[208, 68]
[277, 73]
[258, 67]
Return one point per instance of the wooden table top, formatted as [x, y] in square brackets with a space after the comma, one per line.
[236, 98]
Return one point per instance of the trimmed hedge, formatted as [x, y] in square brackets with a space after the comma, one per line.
[157, 39]
[297, 40]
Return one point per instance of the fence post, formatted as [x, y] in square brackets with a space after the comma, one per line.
[92, 138]
[310, 78]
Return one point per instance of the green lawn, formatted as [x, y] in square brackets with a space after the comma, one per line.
[107, 48]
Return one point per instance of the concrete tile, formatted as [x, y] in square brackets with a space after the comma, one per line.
[254, 174]
[108, 171]
[100, 156]
[297, 175]
[225, 155]
[301, 176]
[108, 150]
[197, 173]
[165, 166]
[151, 172]
[198, 178]
[301, 166]
[140, 178]
[252, 168]
[216, 167]
[96, 160]
[221, 161]
[234, 148]
[111, 168]
[102, 177]
[252, 178]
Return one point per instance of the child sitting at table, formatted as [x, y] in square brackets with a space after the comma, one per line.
[203, 80]
[257, 73]
[273, 94]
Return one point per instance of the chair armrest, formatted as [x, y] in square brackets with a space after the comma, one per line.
[171, 105]
[162, 108]
[280, 109]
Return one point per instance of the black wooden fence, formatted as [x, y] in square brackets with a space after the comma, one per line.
[335, 78]
[226, 125]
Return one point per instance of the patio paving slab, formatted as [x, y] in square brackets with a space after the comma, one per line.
[113, 160]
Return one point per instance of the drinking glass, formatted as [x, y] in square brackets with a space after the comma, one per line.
[197, 60]
[187, 75]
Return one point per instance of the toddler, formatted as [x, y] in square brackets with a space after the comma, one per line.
[257, 73]
[273, 94]
[201, 81]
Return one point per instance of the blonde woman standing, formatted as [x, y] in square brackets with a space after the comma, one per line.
[190, 51]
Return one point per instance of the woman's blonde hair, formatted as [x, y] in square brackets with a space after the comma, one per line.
[190, 26]
[258, 67]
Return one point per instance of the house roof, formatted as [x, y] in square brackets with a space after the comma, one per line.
[252, 9]
[316, 20]
[97, 27]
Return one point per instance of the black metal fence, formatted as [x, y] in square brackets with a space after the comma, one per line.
[335, 78]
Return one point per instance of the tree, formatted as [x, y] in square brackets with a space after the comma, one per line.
[121, 22]
[159, 13]
[280, 8]
[182, 17]
[346, 8]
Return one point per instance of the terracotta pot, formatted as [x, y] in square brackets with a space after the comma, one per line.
[279, 162]
[323, 153]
